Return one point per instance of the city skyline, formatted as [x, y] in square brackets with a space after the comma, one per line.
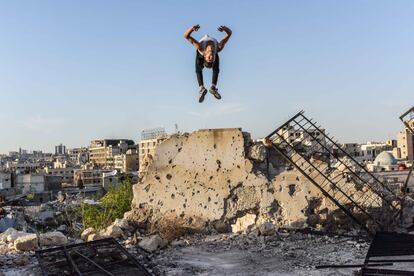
[73, 72]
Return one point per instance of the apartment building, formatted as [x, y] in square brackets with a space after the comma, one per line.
[102, 152]
[146, 151]
[127, 162]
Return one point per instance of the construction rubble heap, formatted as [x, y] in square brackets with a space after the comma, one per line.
[215, 201]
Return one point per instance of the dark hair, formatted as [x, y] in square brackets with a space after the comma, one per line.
[208, 64]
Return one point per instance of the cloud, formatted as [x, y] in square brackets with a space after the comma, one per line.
[219, 110]
[42, 124]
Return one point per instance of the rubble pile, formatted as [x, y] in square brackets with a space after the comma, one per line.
[221, 178]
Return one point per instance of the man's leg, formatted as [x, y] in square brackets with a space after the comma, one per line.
[199, 72]
[216, 70]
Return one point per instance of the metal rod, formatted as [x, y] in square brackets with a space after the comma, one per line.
[93, 263]
[70, 260]
[350, 265]
[287, 122]
[390, 260]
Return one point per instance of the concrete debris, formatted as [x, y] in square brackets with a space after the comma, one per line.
[267, 229]
[62, 228]
[152, 243]
[52, 239]
[285, 253]
[5, 234]
[257, 152]
[123, 224]
[113, 231]
[87, 232]
[244, 224]
[6, 223]
[94, 237]
[221, 227]
[14, 235]
[27, 242]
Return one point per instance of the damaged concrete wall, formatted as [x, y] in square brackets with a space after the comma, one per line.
[205, 177]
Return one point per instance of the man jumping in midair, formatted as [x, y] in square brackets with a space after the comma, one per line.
[207, 56]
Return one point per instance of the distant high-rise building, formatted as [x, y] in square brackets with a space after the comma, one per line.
[60, 150]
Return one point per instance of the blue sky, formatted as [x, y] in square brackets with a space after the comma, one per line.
[73, 71]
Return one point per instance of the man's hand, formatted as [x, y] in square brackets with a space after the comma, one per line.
[223, 28]
[196, 27]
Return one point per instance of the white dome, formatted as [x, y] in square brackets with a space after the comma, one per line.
[385, 159]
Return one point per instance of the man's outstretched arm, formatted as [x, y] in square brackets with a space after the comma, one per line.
[187, 35]
[223, 42]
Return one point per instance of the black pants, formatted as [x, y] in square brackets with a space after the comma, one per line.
[199, 66]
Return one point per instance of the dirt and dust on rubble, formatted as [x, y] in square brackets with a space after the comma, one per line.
[221, 180]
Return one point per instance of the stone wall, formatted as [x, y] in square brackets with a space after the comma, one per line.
[205, 177]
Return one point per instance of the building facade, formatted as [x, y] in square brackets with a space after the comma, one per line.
[78, 156]
[367, 152]
[89, 177]
[6, 181]
[102, 152]
[405, 144]
[60, 150]
[127, 162]
[146, 151]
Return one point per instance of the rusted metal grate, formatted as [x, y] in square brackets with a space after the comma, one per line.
[348, 184]
[100, 257]
[394, 248]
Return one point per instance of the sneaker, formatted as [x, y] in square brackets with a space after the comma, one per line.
[213, 90]
[203, 92]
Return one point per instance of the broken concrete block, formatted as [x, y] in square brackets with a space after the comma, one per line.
[14, 235]
[123, 224]
[26, 243]
[4, 248]
[62, 228]
[267, 229]
[257, 152]
[152, 243]
[94, 237]
[221, 226]
[9, 231]
[87, 232]
[52, 239]
[244, 224]
[113, 231]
